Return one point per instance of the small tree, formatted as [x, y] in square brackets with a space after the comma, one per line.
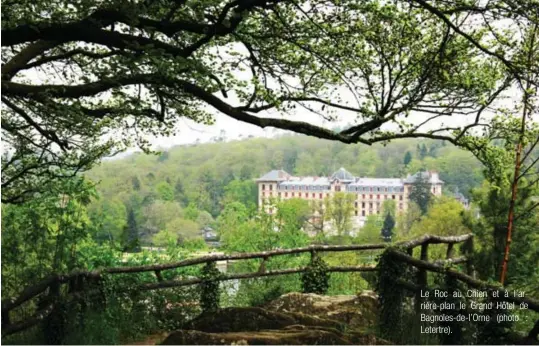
[191, 212]
[407, 158]
[339, 211]
[165, 191]
[387, 228]
[130, 239]
[420, 193]
[136, 183]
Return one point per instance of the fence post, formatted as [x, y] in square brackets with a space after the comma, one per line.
[54, 325]
[422, 285]
[209, 293]
[5, 318]
[410, 251]
[449, 253]
[468, 249]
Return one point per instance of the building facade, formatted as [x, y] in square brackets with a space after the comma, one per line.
[369, 193]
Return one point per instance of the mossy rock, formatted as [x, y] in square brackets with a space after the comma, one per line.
[359, 312]
[264, 337]
[253, 319]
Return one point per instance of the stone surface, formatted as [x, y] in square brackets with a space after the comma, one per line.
[265, 337]
[356, 312]
[292, 319]
[254, 319]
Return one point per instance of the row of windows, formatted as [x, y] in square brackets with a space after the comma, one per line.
[321, 195]
[364, 204]
[378, 197]
[304, 187]
[370, 212]
[356, 212]
[375, 189]
[293, 194]
[337, 188]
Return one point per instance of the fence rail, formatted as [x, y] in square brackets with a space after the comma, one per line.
[79, 281]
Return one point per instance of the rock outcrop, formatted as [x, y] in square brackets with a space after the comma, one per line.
[265, 337]
[356, 312]
[292, 319]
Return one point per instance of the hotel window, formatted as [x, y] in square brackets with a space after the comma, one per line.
[337, 188]
[400, 198]
[286, 194]
[386, 196]
[393, 196]
[355, 204]
[314, 195]
[299, 194]
[263, 186]
[370, 196]
[363, 213]
[271, 194]
[355, 212]
[370, 205]
[320, 196]
[377, 196]
[363, 205]
[271, 187]
[370, 189]
[293, 194]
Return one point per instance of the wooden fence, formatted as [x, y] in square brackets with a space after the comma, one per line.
[79, 281]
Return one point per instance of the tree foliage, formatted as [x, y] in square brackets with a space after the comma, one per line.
[420, 192]
[75, 73]
[339, 210]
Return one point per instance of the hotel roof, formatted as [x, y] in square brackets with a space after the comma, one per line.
[343, 175]
[275, 175]
[307, 181]
[378, 182]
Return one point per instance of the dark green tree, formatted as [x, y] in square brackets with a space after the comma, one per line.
[246, 172]
[130, 238]
[407, 158]
[387, 228]
[422, 152]
[179, 193]
[163, 157]
[136, 183]
[420, 192]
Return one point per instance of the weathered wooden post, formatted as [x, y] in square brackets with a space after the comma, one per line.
[449, 252]
[421, 278]
[468, 249]
[422, 286]
[54, 325]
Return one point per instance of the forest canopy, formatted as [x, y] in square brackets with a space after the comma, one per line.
[82, 79]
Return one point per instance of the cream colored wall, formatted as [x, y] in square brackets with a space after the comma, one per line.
[402, 204]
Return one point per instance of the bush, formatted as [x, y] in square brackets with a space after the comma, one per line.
[316, 277]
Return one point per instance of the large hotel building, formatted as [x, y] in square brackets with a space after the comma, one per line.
[369, 193]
